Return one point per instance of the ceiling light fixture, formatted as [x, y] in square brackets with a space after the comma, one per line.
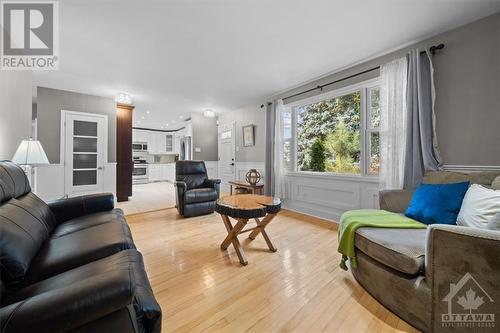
[209, 113]
[147, 112]
[123, 98]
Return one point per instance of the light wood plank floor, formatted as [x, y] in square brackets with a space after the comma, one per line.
[300, 288]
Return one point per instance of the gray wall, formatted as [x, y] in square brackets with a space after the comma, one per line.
[467, 81]
[250, 115]
[50, 102]
[204, 137]
[15, 110]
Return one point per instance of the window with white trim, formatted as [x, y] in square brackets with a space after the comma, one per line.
[336, 132]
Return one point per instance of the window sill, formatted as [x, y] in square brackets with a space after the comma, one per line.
[334, 176]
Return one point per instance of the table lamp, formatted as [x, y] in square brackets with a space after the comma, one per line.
[30, 154]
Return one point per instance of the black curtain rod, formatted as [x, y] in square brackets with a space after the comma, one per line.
[432, 50]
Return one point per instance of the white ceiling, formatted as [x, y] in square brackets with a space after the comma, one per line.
[178, 57]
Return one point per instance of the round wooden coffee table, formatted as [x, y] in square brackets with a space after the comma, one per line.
[242, 208]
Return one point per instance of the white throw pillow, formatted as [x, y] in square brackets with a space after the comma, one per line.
[480, 205]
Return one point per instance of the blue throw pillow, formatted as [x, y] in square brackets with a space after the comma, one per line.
[437, 203]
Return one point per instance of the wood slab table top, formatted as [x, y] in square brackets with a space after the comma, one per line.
[247, 206]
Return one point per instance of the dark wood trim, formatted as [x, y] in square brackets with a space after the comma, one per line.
[124, 163]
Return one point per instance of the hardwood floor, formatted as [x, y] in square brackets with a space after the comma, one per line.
[300, 288]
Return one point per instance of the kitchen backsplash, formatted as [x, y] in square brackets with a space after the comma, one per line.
[164, 158]
[156, 158]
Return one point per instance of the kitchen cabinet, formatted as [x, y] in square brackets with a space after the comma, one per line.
[154, 172]
[162, 172]
[161, 143]
[169, 143]
[140, 136]
[170, 172]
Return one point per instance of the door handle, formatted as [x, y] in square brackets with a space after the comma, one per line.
[100, 168]
[231, 164]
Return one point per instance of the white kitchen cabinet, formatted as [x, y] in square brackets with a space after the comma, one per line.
[170, 172]
[154, 172]
[169, 143]
[140, 135]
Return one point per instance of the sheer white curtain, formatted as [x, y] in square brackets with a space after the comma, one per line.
[279, 168]
[392, 123]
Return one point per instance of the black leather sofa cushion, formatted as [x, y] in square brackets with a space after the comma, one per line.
[88, 221]
[200, 195]
[62, 253]
[125, 264]
[67, 306]
[25, 224]
[70, 208]
[13, 181]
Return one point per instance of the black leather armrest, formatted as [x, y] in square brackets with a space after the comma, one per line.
[213, 183]
[70, 208]
[63, 309]
[179, 197]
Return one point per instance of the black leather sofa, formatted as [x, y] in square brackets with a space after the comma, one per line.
[70, 265]
[195, 193]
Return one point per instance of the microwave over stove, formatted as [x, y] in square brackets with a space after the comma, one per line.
[140, 146]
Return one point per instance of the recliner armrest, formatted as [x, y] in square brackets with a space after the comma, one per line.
[454, 253]
[214, 183]
[70, 208]
[66, 308]
[396, 201]
[181, 188]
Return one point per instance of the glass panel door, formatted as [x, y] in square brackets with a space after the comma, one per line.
[84, 152]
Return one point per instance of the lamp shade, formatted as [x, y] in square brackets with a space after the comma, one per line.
[30, 152]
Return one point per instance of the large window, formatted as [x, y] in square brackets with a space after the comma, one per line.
[335, 133]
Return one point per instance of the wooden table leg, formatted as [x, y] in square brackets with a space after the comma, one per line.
[232, 237]
[261, 229]
[230, 189]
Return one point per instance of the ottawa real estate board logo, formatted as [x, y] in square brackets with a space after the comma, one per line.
[469, 305]
[30, 35]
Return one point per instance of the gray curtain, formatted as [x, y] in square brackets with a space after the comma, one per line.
[269, 164]
[422, 153]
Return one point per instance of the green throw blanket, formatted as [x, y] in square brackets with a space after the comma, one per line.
[354, 219]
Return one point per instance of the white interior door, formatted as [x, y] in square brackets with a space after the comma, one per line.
[84, 150]
[227, 161]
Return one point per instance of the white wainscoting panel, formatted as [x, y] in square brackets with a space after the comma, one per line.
[110, 178]
[49, 181]
[243, 167]
[212, 169]
[328, 196]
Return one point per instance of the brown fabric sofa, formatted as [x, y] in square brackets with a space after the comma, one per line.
[410, 270]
